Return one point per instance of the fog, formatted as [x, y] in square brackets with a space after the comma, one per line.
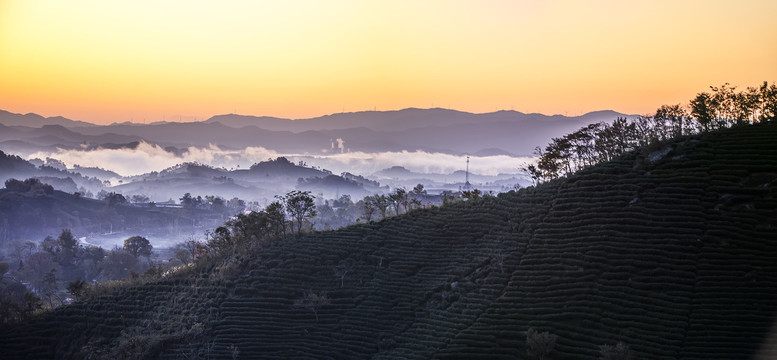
[146, 158]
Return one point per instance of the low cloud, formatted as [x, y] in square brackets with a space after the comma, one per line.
[146, 158]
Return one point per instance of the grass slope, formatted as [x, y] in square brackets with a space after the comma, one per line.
[677, 258]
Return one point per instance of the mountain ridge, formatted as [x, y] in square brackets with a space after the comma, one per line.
[31, 119]
[431, 130]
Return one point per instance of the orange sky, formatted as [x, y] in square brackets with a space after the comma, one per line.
[106, 61]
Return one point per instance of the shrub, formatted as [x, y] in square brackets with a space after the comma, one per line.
[540, 344]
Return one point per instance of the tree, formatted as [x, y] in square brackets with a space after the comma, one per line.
[112, 199]
[276, 218]
[192, 246]
[236, 204]
[36, 268]
[32, 303]
[255, 227]
[415, 204]
[471, 195]
[312, 301]
[418, 190]
[68, 245]
[186, 200]
[382, 203]
[138, 246]
[300, 205]
[16, 185]
[31, 186]
[50, 245]
[184, 256]
[139, 199]
[216, 203]
[768, 103]
[540, 345]
[724, 99]
[89, 258]
[703, 109]
[369, 207]
[676, 116]
[534, 173]
[398, 198]
[447, 197]
[221, 240]
[343, 201]
[118, 264]
[78, 289]
[49, 286]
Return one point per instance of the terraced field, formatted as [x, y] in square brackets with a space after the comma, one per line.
[676, 258]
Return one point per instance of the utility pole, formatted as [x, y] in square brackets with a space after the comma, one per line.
[466, 179]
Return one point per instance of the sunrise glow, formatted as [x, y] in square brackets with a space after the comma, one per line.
[106, 61]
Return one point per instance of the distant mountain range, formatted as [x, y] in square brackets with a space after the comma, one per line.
[260, 182]
[431, 130]
[35, 120]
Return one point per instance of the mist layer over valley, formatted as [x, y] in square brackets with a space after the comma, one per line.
[246, 162]
[142, 158]
[255, 159]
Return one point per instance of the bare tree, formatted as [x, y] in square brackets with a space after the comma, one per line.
[312, 301]
[341, 270]
[382, 203]
[191, 246]
[369, 207]
[234, 351]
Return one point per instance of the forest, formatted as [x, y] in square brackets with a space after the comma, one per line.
[720, 108]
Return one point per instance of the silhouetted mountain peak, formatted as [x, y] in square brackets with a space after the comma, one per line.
[34, 120]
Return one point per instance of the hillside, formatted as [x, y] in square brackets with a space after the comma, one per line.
[12, 166]
[260, 182]
[35, 216]
[675, 257]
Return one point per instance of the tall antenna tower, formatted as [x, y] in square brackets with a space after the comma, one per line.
[467, 185]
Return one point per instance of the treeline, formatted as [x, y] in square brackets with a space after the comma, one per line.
[720, 108]
[39, 276]
[297, 212]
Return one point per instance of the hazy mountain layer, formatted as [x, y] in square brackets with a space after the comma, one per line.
[674, 257]
[15, 167]
[432, 130]
[35, 120]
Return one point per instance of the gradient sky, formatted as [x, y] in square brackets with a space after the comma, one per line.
[105, 61]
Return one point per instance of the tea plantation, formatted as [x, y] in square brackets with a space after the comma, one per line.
[675, 257]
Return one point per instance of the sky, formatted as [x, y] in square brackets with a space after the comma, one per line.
[144, 61]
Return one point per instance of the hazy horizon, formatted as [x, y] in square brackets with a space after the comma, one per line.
[189, 119]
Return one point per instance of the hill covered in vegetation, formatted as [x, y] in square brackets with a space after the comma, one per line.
[32, 214]
[668, 249]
